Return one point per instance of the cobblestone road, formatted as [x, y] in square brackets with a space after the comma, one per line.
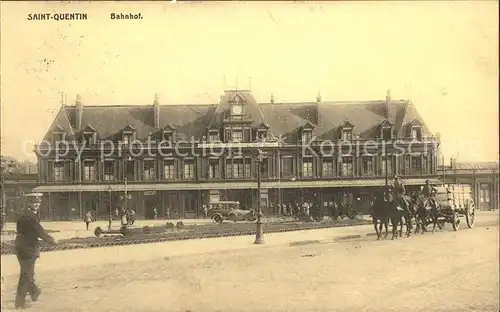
[444, 271]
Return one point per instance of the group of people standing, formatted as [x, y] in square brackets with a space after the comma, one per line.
[297, 209]
[313, 211]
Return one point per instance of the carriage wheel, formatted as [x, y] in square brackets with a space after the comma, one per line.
[470, 215]
[441, 224]
[455, 221]
[98, 231]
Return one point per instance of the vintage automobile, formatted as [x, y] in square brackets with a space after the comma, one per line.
[229, 210]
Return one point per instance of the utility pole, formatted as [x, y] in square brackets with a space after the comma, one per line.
[259, 235]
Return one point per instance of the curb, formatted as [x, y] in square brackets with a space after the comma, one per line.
[302, 243]
[347, 237]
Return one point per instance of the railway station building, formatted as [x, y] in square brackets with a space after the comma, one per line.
[176, 158]
[481, 176]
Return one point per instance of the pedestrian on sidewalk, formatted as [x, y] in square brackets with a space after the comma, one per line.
[205, 211]
[27, 251]
[87, 219]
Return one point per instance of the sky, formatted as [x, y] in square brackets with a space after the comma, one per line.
[441, 55]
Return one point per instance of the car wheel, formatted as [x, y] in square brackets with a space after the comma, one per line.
[217, 218]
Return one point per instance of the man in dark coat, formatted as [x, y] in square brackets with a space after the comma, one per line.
[399, 193]
[429, 191]
[27, 251]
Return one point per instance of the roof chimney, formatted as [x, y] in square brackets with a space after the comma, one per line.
[453, 162]
[318, 98]
[388, 100]
[272, 98]
[79, 111]
[156, 111]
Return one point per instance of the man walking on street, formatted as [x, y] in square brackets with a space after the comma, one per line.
[88, 219]
[27, 251]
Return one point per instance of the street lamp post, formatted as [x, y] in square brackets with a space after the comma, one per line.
[259, 235]
[110, 216]
[386, 171]
[126, 195]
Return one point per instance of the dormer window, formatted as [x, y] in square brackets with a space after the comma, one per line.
[416, 130]
[261, 134]
[168, 133]
[262, 131]
[386, 132]
[416, 134]
[307, 132]
[89, 136]
[346, 131]
[58, 135]
[213, 136]
[128, 135]
[347, 135]
[306, 135]
[127, 138]
[167, 136]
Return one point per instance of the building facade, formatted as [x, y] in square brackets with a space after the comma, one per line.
[12, 191]
[178, 157]
[482, 177]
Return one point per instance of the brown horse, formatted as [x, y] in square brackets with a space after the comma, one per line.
[385, 210]
[426, 213]
[379, 213]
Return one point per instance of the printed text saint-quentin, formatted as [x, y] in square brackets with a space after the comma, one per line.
[56, 16]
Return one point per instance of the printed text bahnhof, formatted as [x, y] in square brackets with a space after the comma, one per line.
[57, 16]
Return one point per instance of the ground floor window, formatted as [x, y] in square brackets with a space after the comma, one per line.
[484, 193]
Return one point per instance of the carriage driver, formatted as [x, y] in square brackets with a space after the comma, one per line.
[428, 191]
[399, 193]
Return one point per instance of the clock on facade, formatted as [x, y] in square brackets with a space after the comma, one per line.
[237, 109]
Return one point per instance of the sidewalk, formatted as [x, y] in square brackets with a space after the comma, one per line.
[72, 229]
[80, 225]
[76, 258]
[69, 229]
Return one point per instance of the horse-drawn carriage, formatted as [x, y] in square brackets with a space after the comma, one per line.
[454, 201]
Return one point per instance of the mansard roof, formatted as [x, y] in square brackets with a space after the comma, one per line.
[281, 118]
